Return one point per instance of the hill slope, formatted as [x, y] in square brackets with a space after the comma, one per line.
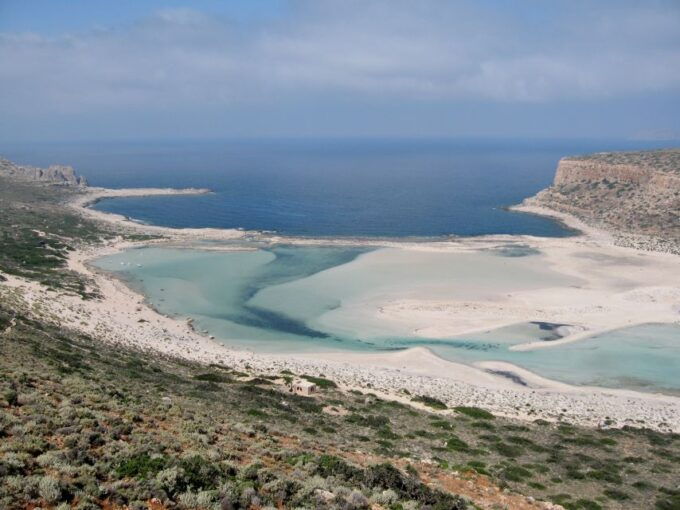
[635, 195]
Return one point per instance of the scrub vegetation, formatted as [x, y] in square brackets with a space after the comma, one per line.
[36, 241]
[85, 425]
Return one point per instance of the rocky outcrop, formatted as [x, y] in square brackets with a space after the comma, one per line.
[626, 193]
[56, 174]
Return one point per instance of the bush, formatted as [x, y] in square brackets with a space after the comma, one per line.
[668, 500]
[434, 403]
[49, 489]
[373, 421]
[616, 494]
[320, 381]
[330, 465]
[583, 504]
[474, 412]
[211, 377]
[141, 466]
[200, 473]
[442, 424]
[515, 473]
[11, 397]
[508, 450]
[457, 444]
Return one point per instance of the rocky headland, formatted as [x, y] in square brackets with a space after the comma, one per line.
[54, 174]
[635, 196]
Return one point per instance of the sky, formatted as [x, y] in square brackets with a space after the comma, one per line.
[130, 69]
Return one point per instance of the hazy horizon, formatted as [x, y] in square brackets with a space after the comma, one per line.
[204, 69]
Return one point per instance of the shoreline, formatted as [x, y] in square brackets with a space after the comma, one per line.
[89, 196]
[122, 317]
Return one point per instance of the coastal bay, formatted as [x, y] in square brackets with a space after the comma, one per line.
[394, 314]
[490, 300]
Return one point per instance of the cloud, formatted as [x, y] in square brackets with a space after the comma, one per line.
[379, 50]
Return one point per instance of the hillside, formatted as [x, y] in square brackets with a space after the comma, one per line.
[634, 195]
[84, 425]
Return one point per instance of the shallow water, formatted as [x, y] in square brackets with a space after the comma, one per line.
[645, 357]
[293, 299]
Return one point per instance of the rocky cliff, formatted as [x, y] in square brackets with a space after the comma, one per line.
[626, 193]
[56, 174]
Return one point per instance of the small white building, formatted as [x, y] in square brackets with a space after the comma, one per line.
[303, 387]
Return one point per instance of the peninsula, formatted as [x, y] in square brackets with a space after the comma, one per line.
[635, 196]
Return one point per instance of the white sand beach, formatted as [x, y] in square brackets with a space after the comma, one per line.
[91, 195]
[617, 287]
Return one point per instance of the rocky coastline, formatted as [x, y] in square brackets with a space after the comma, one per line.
[634, 196]
[54, 174]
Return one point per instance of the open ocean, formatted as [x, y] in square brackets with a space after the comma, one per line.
[374, 187]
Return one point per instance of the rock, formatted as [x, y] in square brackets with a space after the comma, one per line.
[635, 196]
[57, 174]
[324, 495]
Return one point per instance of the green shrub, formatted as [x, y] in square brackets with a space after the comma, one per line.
[457, 444]
[257, 413]
[49, 489]
[515, 473]
[141, 466]
[330, 465]
[643, 485]
[583, 504]
[200, 473]
[373, 421]
[442, 424]
[669, 499]
[474, 412]
[386, 433]
[211, 377]
[321, 382]
[432, 402]
[508, 450]
[483, 425]
[11, 397]
[616, 494]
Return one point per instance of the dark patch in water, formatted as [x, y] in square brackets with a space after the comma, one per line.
[513, 250]
[456, 344]
[290, 264]
[548, 326]
[611, 259]
[551, 328]
[509, 375]
[266, 319]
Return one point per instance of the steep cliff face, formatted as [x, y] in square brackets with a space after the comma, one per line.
[626, 192]
[56, 174]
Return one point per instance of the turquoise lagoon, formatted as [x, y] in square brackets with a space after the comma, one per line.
[322, 298]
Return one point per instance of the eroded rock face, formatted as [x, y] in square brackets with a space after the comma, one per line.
[635, 193]
[57, 174]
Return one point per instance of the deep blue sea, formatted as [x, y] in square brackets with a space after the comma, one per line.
[372, 187]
